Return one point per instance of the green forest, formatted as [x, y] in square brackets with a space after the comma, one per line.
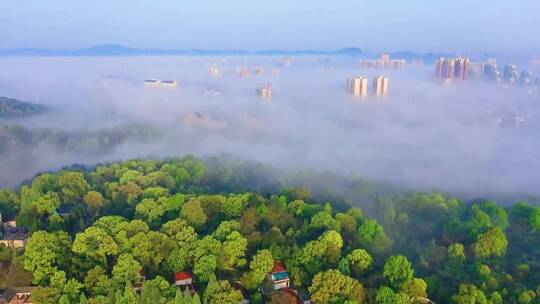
[97, 233]
[18, 140]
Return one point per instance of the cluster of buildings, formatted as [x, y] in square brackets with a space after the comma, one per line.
[358, 86]
[276, 281]
[449, 69]
[160, 84]
[509, 74]
[384, 63]
[452, 68]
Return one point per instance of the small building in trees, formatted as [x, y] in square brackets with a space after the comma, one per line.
[16, 295]
[279, 277]
[184, 281]
[12, 236]
[277, 286]
[138, 284]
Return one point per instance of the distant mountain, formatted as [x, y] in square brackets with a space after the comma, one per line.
[107, 50]
[13, 108]
[120, 50]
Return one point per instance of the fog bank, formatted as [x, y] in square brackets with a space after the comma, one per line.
[472, 138]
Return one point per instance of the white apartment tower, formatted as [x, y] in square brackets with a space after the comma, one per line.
[380, 86]
[357, 86]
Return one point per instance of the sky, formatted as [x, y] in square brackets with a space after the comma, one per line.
[458, 26]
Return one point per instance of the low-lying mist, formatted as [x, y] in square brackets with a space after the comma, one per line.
[473, 138]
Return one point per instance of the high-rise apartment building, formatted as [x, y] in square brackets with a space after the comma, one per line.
[510, 73]
[525, 77]
[491, 72]
[439, 67]
[380, 86]
[357, 86]
[452, 68]
[462, 68]
[265, 92]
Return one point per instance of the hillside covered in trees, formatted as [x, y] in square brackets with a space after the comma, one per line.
[18, 140]
[118, 233]
[13, 108]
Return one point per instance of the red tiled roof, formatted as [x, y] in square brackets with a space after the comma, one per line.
[278, 267]
[182, 275]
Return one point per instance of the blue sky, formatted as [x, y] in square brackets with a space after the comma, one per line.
[462, 26]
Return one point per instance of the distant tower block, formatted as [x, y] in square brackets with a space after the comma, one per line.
[385, 61]
[452, 68]
[357, 86]
[243, 71]
[265, 92]
[462, 68]
[287, 61]
[380, 86]
[259, 71]
[213, 70]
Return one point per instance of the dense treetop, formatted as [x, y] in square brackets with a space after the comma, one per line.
[93, 230]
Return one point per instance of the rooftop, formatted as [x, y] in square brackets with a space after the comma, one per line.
[278, 267]
[12, 291]
[279, 276]
[182, 275]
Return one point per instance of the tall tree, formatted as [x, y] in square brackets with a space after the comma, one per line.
[398, 270]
